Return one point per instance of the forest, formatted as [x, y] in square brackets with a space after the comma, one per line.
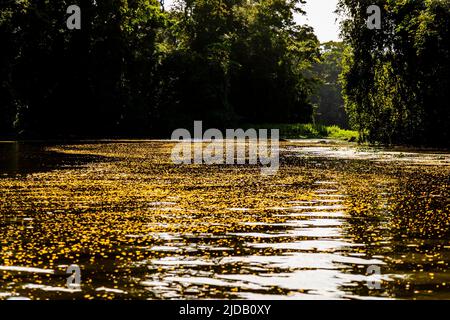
[396, 79]
[136, 164]
[136, 69]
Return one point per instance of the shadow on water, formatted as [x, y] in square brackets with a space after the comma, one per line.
[18, 158]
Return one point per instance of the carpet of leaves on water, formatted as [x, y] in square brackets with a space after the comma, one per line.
[106, 216]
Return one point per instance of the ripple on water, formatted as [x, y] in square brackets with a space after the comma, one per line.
[307, 245]
[43, 287]
[303, 244]
[26, 269]
[325, 214]
[333, 207]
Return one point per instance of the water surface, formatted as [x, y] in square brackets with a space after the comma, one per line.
[140, 227]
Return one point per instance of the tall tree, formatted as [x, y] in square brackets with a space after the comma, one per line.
[273, 58]
[87, 81]
[134, 69]
[240, 60]
[395, 78]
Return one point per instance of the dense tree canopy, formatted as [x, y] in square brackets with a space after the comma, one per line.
[134, 68]
[91, 81]
[396, 79]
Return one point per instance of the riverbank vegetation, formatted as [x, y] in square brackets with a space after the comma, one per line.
[310, 131]
[141, 227]
[396, 79]
[135, 69]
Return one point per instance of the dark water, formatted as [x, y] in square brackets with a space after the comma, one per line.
[21, 158]
[337, 222]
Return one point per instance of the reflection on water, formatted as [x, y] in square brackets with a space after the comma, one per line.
[140, 227]
[372, 154]
[22, 158]
[9, 157]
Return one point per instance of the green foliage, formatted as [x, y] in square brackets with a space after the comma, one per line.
[309, 131]
[134, 69]
[328, 99]
[235, 61]
[273, 57]
[396, 79]
[96, 80]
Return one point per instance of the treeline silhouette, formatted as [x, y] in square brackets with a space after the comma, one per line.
[396, 80]
[134, 69]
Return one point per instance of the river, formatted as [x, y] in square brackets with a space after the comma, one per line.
[337, 221]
